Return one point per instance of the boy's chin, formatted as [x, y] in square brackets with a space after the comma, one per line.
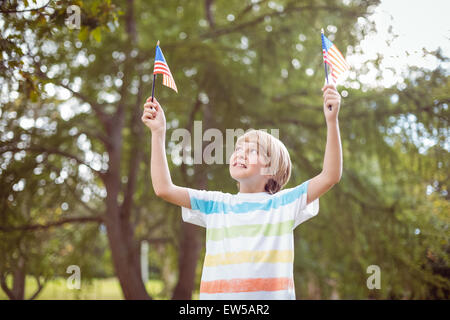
[242, 177]
[238, 176]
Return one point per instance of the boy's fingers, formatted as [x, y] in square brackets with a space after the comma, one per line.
[150, 112]
[146, 116]
[154, 100]
[331, 86]
[330, 92]
[330, 96]
[150, 105]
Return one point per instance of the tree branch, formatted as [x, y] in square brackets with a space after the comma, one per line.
[248, 8]
[52, 151]
[73, 191]
[34, 227]
[129, 63]
[103, 138]
[190, 123]
[136, 153]
[239, 27]
[293, 121]
[78, 200]
[5, 288]
[102, 116]
[39, 288]
[208, 13]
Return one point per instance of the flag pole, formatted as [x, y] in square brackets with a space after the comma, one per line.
[325, 64]
[154, 78]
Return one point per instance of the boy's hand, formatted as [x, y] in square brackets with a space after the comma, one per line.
[153, 116]
[331, 97]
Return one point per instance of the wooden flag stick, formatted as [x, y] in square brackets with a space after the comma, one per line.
[154, 77]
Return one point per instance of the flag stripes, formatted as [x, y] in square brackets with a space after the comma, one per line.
[334, 59]
[161, 67]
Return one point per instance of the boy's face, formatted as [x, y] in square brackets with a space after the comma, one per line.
[248, 161]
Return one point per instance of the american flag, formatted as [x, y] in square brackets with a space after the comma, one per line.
[333, 58]
[162, 67]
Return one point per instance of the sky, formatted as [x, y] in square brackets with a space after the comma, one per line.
[417, 24]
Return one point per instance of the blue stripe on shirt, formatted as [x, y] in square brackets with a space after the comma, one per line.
[210, 206]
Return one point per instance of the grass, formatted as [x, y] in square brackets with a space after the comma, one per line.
[97, 289]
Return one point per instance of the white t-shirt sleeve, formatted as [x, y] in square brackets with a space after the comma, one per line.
[303, 211]
[202, 203]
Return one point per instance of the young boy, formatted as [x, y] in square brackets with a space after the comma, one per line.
[249, 235]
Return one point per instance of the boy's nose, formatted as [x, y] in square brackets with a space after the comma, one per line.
[241, 155]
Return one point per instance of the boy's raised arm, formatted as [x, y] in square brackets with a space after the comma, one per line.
[332, 163]
[153, 117]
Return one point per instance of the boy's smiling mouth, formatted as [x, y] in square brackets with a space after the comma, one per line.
[240, 164]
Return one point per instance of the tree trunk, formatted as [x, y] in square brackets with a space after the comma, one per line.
[190, 243]
[124, 256]
[18, 289]
[17, 292]
[187, 262]
[124, 248]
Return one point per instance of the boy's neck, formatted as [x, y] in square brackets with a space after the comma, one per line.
[251, 188]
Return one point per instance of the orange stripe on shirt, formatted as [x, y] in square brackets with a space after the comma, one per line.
[246, 285]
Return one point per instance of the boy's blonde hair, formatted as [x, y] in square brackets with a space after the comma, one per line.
[278, 162]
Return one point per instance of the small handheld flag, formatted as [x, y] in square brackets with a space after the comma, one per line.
[334, 59]
[160, 66]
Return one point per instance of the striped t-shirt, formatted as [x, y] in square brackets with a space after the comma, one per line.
[249, 241]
